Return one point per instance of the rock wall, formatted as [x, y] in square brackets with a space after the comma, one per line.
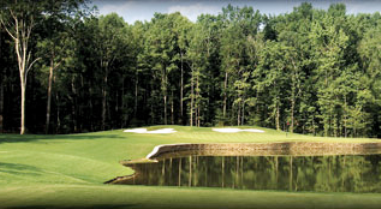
[295, 147]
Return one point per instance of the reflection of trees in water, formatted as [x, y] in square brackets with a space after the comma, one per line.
[287, 173]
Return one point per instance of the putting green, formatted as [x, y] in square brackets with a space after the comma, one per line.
[46, 171]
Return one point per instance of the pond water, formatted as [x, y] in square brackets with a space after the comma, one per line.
[350, 173]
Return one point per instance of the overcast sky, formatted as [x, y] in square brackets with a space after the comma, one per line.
[132, 10]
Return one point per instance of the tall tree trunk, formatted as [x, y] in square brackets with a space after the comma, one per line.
[182, 88]
[50, 85]
[22, 129]
[345, 116]
[192, 100]
[58, 114]
[198, 102]
[124, 121]
[239, 114]
[136, 90]
[292, 112]
[226, 94]
[104, 98]
[152, 114]
[2, 86]
[91, 106]
[335, 125]
[117, 121]
[277, 117]
[277, 111]
[243, 110]
[23, 79]
[73, 104]
[172, 110]
[257, 106]
[313, 125]
[165, 109]
[164, 89]
[199, 116]
[294, 79]
[196, 115]
[20, 30]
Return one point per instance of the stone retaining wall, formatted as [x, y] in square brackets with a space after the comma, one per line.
[252, 149]
[297, 147]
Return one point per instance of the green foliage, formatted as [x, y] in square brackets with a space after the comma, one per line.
[309, 71]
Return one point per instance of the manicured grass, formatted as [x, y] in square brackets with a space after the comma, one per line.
[45, 171]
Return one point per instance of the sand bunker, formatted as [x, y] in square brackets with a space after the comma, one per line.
[144, 131]
[235, 130]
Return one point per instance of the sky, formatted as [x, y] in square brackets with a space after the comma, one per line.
[133, 10]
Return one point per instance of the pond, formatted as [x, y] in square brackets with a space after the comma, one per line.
[337, 173]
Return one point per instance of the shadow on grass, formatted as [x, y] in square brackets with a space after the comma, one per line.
[100, 206]
[13, 168]
[16, 138]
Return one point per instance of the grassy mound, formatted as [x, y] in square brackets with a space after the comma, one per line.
[45, 171]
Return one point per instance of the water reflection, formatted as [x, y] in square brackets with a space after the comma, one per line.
[356, 173]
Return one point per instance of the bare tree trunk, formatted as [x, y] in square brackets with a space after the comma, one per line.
[22, 129]
[256, 106]
[164, 87]
[277, 111]
[313, 126]
[197, 101]
[277, 117]
[243, 112]
[48, 106]
[182, 88]
[345, 116]
[292, 113]
[335, 125]
[123, 106]
[199, 116]
[136, 91]
[196, 115]
[58, 114]
[73, 104]
[2, 103]
[172, 111]
[23, 78]
[293, 89]
[226, 94]
[20, 29]
[2, 94]
[91, 107]
[104, 99]
[165, 109]
[192, 95]
[239, 114]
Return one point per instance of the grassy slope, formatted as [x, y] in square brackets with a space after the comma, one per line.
[68, 170]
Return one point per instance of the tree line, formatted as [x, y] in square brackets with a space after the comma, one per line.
[311, 71]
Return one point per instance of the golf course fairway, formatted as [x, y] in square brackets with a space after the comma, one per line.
[69, 171]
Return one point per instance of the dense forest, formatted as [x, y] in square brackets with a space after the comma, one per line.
[65, 69]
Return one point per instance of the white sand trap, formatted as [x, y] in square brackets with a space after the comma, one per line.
[236, 130]
[254, 130]
[144, 131]
[162, 131]
[136, 130]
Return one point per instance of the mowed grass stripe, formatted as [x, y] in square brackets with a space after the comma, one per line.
[70, 169]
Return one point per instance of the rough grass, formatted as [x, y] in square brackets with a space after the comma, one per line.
[66, 171]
